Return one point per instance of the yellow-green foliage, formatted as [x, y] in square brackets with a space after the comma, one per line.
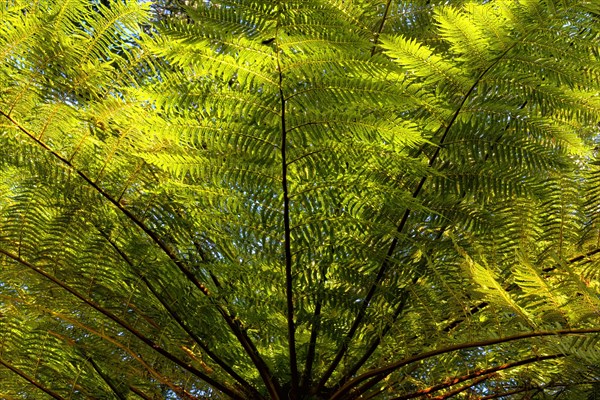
[299, 199]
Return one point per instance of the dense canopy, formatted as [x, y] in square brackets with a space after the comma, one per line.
[308, 199]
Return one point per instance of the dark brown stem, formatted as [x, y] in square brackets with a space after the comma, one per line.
[380, 373]
[312, 344]
[377, 341]
[31, 380]
[386, 263]
[140, 393]
[388, 326]
[149, 342]
[106, 379]
[244, 384]
[461, 389]
[126, 348]
[537, 388]
[149, 232]
[475, 374]
[234, 324]
[287, 243]
[381, 25]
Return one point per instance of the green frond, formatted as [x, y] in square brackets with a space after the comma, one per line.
[326, 199]
[465, 36]
[423, 63]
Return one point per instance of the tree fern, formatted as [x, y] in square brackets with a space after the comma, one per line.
[312, 199]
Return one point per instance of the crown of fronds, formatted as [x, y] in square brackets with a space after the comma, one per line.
[303, 199]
